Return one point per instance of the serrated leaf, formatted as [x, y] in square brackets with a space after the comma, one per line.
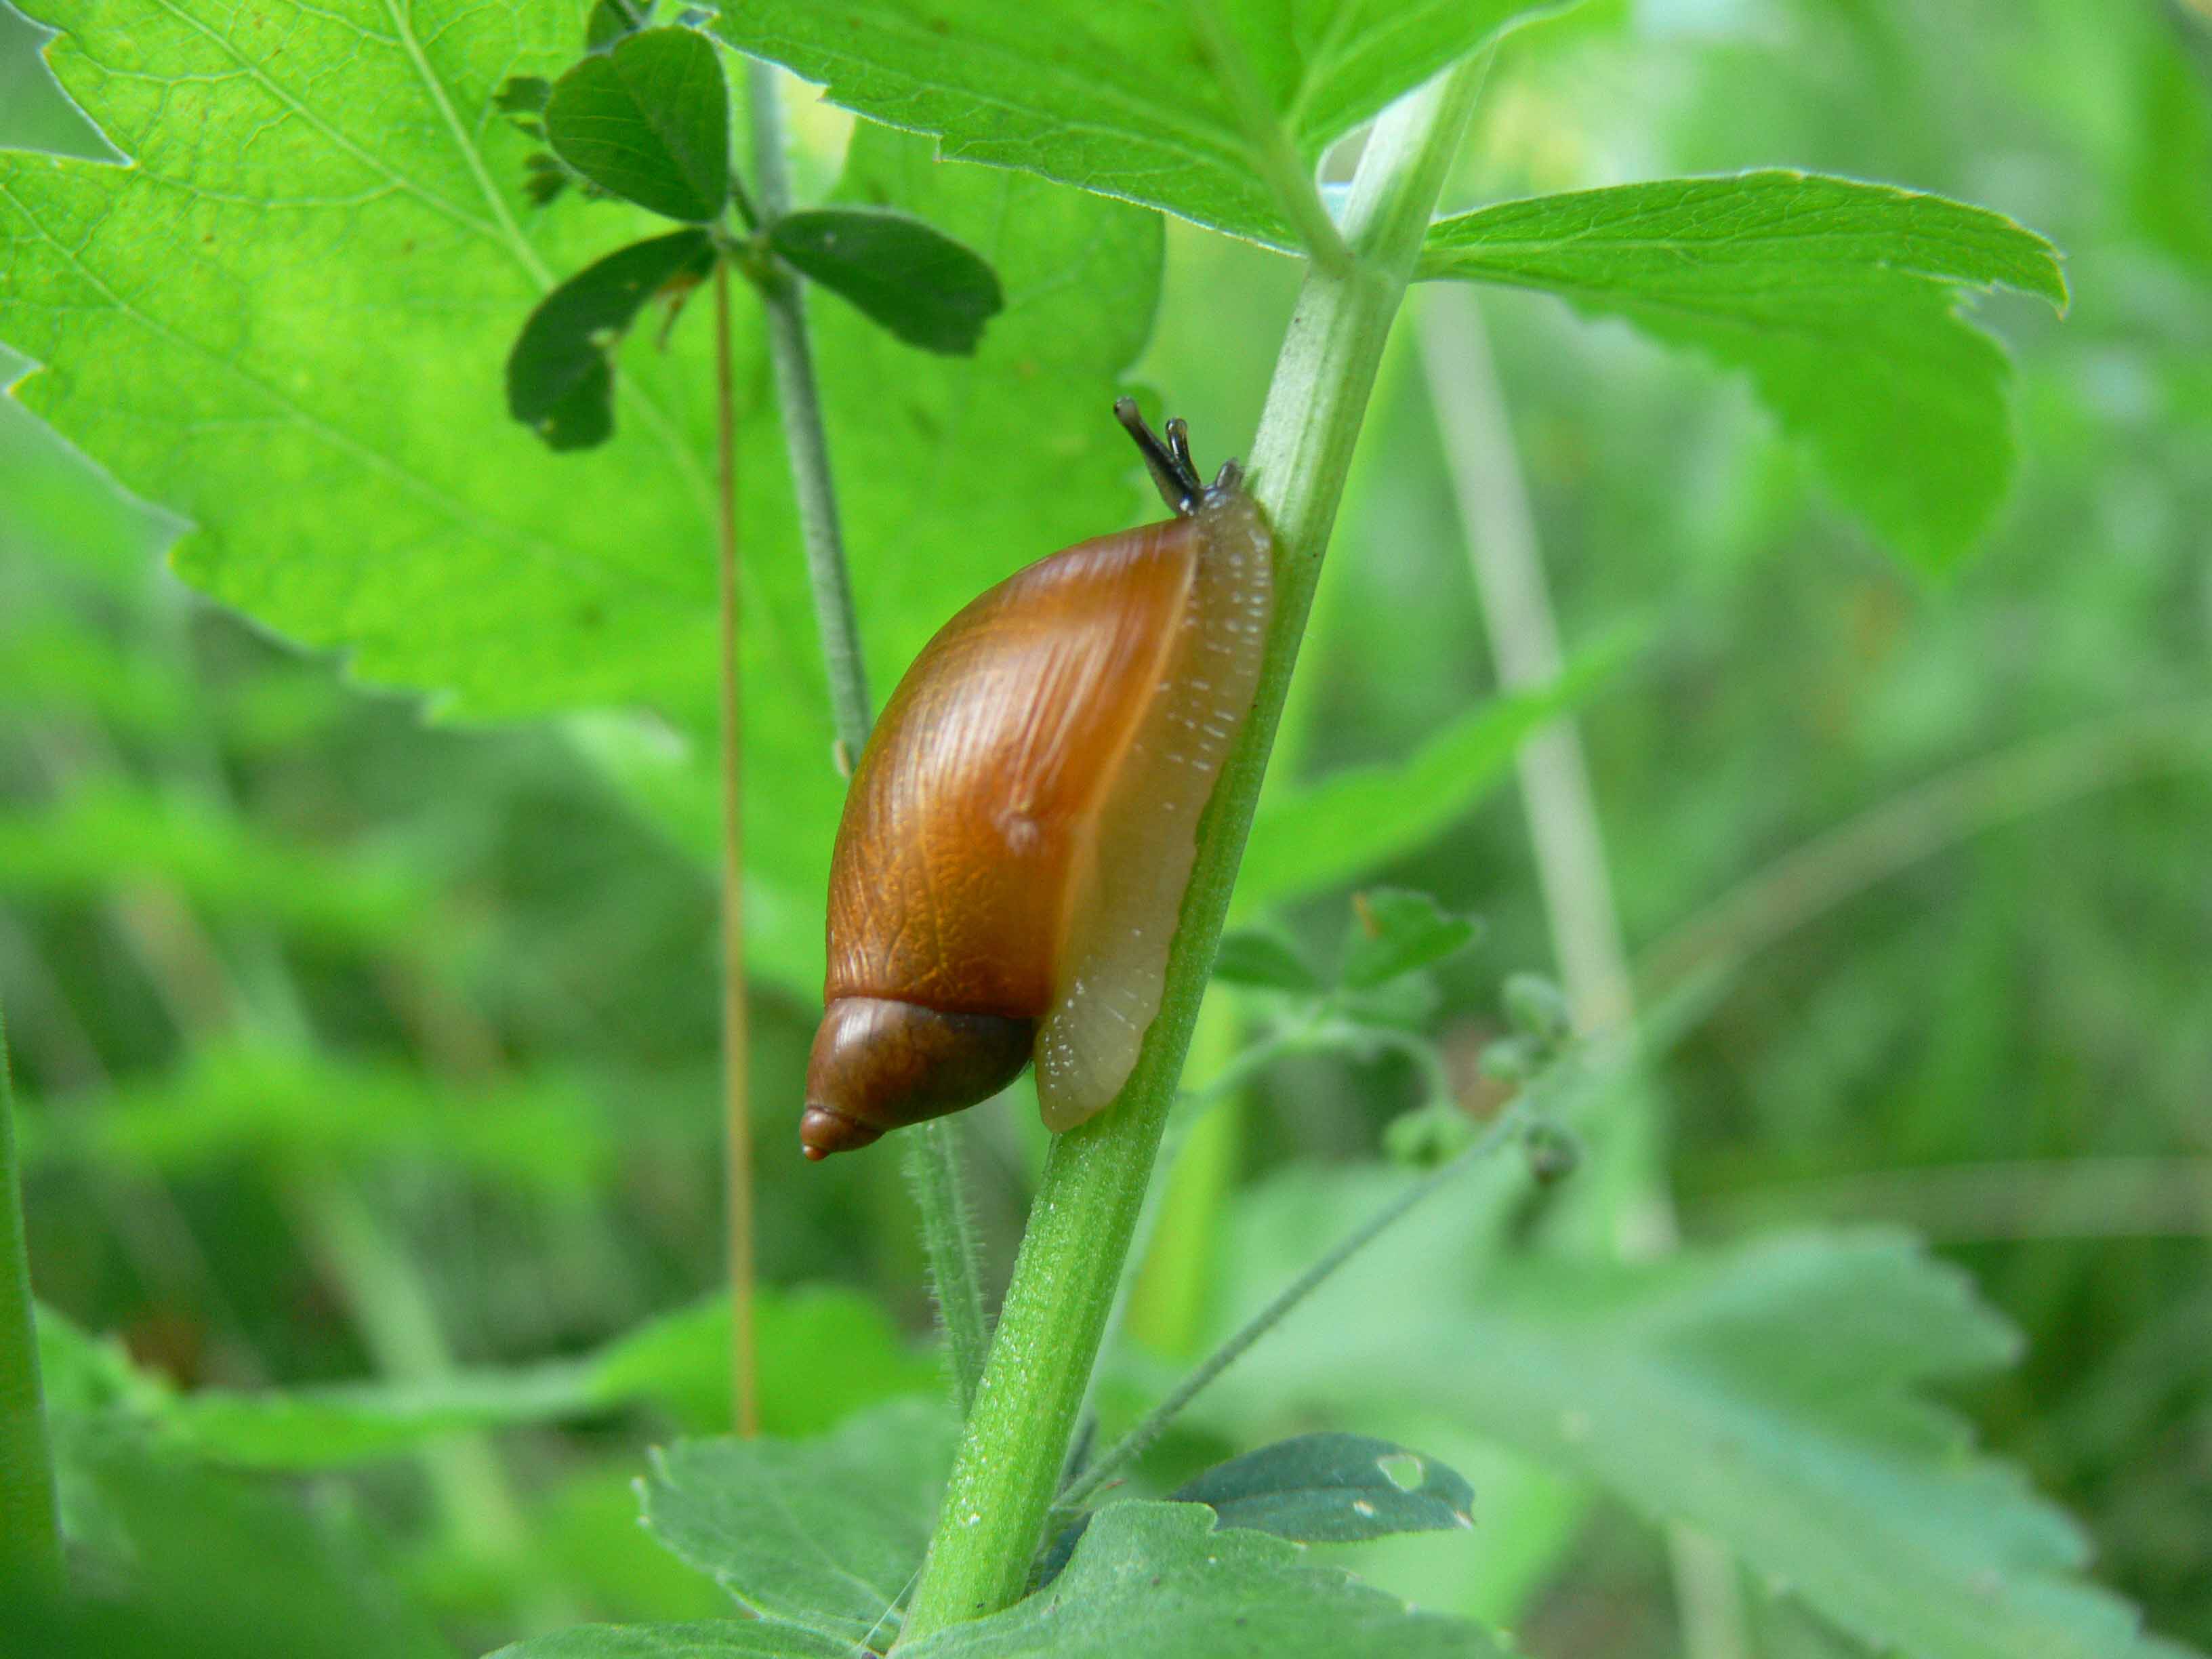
[1311, 835]
[824, 1533]
[1261, 957]
[1123, 99]
[649, 122]
[1158, 1579]
[1840, 299]
[723, 1638]
[1768, 1395]
[235, 327]
[560, 376]
[1394, 932]
[927, 288]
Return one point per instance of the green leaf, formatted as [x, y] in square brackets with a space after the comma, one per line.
[1123, 99]
[560, 376]
[724, 1638]
[1768, 1395]
[1158, 1579]
[1312, 836]
[1395, 932]
[1333, 1488]
[1840, 299]
[824, 1533]
[1263, 957]
[1326, 1488]
[917, 282]
[649, 122]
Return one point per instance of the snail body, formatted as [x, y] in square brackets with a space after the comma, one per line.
[1022, 822]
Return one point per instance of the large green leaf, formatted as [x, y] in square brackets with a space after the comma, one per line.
[1124, 100]
[824, 1534]
[1769, 1395]
[287, 322]
[1158, 1579]
[1840, 299]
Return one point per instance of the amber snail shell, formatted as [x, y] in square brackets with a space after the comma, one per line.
[1021, 826]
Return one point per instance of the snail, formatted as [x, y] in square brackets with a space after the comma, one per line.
[1022, 823]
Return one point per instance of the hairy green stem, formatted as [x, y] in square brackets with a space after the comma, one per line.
[30, 1524]
[1093, 1188]
[933, 1165]
[791, 354]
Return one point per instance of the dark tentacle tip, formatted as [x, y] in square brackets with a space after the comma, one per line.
[1168, 459]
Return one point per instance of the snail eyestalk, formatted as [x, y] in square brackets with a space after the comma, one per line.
[1168, 459]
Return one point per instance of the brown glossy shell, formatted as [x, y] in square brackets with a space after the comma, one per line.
[1022, 825]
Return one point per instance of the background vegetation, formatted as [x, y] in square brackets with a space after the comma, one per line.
[356, 1041]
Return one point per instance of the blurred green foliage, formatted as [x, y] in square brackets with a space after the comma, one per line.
[356, 1047]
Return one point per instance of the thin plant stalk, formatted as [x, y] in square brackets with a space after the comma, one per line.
[933, 1165]
[737, 1109]
[1008, 1466]
[1134, 1444]
[30, 1521]
[1571, 867]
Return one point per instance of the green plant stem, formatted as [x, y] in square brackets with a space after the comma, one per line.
[791, 355]
[1095, 1176]
[30, 1522]
[736, 1105]
[933, 1165]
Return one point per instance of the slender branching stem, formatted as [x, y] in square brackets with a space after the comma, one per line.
[933, 1165]
[1009, 1463]
[737, 1109]
[30, 1526]
[791, 356]
[1134, 1444]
